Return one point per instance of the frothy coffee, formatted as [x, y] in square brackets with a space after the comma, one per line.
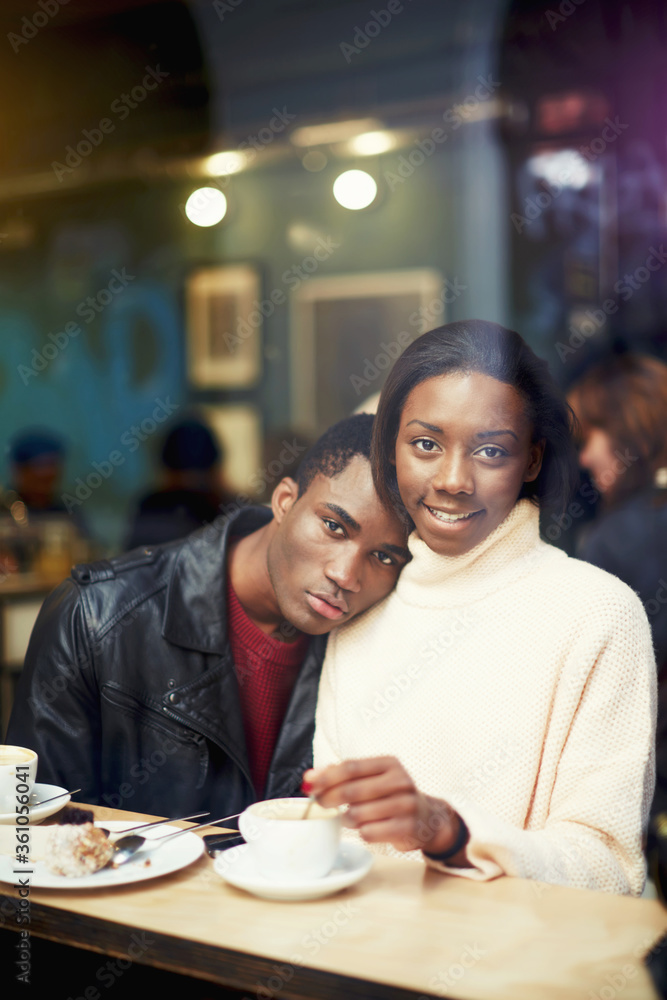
[15, 755]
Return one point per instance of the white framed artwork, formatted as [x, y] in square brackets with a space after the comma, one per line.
[223, 327]
[347, 330]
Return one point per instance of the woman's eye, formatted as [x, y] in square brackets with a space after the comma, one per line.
[425, 444]
[491, 451]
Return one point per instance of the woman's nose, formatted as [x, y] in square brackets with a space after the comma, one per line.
[453, 475]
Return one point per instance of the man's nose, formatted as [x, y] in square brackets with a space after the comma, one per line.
[454, 474]
[345, 570]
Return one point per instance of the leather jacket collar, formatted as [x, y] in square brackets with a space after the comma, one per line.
[198, 583]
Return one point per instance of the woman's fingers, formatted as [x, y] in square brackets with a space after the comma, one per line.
[349, 770]
[399, 832]
[397, 806]
[384, 804]
[355, 781]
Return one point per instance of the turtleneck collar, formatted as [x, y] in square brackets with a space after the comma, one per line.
[432, 580]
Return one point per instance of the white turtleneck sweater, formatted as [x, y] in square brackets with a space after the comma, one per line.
[520, 686]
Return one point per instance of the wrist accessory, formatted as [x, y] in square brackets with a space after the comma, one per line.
[461, 840]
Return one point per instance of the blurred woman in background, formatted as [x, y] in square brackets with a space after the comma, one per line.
[621, 405]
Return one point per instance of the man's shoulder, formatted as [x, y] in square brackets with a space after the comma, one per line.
[141, 565]
[110, 587]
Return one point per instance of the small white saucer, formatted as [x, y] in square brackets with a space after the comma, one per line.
[38, 813]
[236, 867]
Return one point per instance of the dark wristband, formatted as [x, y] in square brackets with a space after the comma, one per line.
[459, 843]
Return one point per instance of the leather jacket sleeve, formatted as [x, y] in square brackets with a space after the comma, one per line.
[56, 709]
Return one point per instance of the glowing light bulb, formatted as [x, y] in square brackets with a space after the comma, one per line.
[354, 189]
[206, 206]
[229, 161]
[372, 143]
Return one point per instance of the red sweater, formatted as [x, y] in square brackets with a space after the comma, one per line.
[266, 669]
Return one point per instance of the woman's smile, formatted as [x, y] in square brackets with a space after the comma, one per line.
[463, 451]
[452, 519]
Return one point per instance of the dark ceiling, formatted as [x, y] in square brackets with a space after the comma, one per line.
[226, 66]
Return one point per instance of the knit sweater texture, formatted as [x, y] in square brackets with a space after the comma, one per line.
[519, 685]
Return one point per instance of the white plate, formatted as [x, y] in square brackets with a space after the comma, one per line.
[237, 868]
[38, 813]
[165, 858]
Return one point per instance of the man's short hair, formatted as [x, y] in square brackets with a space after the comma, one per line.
[336, 448]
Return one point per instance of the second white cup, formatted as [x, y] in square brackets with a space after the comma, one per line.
[284, 846]
[18, 770]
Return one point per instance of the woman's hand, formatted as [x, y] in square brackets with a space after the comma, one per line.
[385, 806]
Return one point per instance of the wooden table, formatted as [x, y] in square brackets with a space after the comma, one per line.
[403, 931]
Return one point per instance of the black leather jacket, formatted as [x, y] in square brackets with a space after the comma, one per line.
[129, 690]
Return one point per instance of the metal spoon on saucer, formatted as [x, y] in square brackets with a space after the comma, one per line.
[60, 795]
[127, 847]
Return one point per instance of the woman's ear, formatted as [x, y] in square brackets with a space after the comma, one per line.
[284, 497]
[535, 461]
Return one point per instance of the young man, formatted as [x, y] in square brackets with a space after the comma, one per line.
[184, 677]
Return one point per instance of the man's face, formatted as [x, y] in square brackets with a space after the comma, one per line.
[37, 481]
[336, 550]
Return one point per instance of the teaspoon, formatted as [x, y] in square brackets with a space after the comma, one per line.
[35, 805]
[311, 801]
[147, 826]
[127, 847]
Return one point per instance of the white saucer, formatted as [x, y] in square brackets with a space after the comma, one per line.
[38, 813]
[237, 868]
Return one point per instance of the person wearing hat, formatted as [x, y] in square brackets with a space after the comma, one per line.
[36, 459]
[192, 491]
[38, 532]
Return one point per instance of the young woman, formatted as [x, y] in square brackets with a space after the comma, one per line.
[621, 404]
[497, 710]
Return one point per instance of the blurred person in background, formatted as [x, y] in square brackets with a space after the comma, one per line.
[192, 488]
[37, 531]
[621, 404]
[36, 460]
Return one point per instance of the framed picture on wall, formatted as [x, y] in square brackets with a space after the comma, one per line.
[238, 429]
[223, 327]
[346, 332]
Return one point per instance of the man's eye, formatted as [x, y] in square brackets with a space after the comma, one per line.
[425, 444]
[385, 559]
[333, 526]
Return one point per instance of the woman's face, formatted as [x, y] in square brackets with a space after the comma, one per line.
[598, 457]
[463, 451]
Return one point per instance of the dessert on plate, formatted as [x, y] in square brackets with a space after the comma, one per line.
[76, 846]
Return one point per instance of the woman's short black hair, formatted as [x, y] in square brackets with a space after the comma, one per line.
[478, 346]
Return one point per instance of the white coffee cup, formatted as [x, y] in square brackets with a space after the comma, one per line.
[284, 846]
[18, 771]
